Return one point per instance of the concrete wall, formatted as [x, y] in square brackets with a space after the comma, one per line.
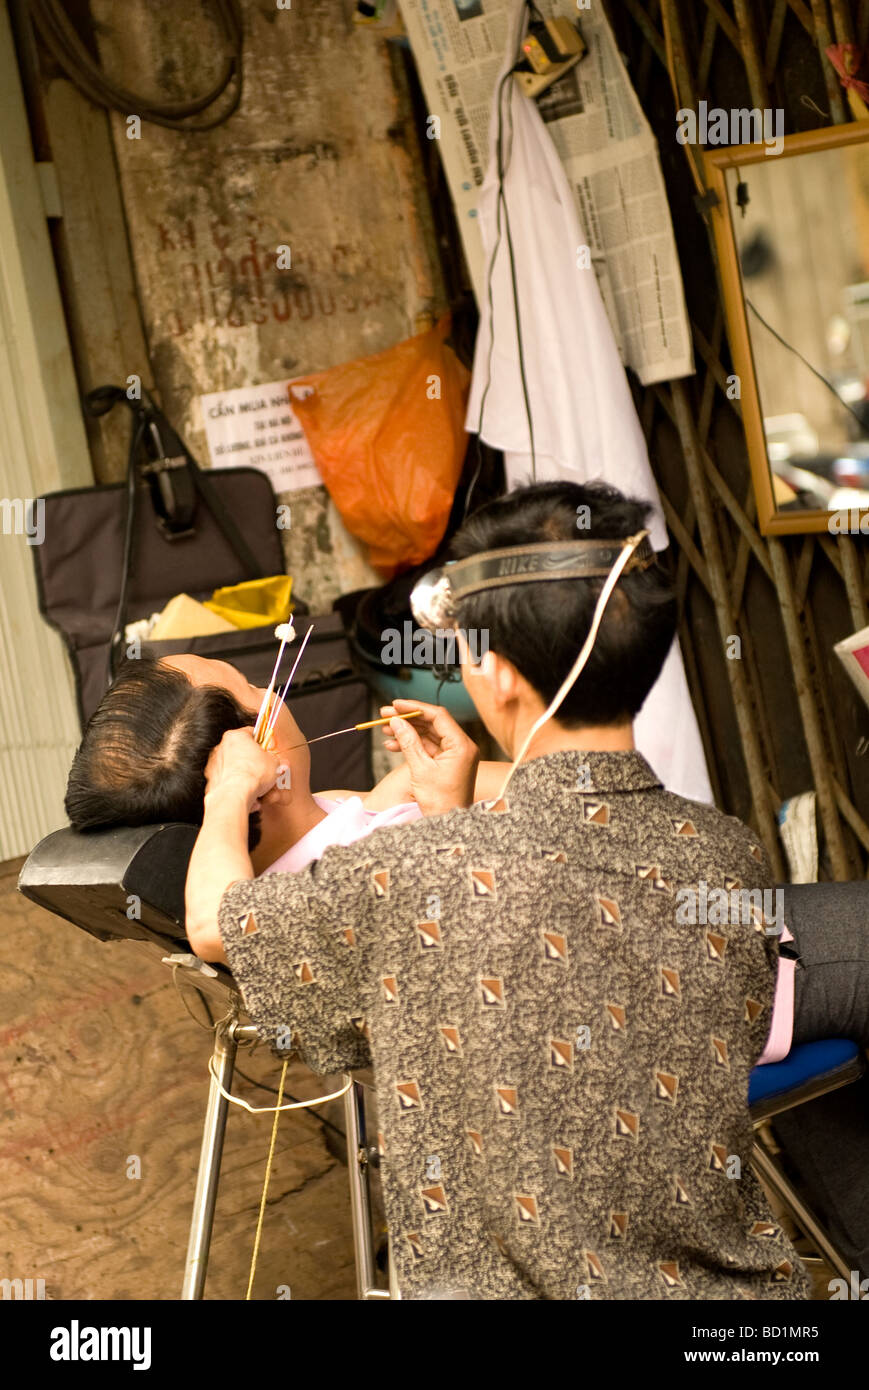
[42, 448]
[319, 157]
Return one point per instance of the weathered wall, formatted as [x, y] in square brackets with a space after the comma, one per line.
[319, 157]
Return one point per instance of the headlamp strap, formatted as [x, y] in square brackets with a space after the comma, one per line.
[556, 560]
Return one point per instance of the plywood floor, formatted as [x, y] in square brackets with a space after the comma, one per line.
[99, 1062]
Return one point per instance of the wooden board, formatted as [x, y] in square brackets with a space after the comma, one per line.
[98, 1062]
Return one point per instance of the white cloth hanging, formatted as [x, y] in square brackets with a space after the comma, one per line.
[584, 423]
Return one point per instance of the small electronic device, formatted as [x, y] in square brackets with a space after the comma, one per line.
[550, 48]
[378, 14]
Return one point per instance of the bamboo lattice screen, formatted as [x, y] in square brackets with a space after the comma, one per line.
[783, 718]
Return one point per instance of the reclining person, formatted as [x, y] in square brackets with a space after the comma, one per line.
[143, 755]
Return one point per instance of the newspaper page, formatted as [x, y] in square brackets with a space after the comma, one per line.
[459, 48]
[605, 145]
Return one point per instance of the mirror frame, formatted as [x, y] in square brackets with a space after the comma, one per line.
[771, 521]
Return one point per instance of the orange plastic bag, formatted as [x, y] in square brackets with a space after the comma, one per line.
[388, 436]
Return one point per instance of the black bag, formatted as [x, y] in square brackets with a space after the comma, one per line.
[115, 553]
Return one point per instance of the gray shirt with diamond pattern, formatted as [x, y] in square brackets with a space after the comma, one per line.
[561, 1064]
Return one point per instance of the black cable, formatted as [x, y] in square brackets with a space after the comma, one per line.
[118, 630]
[502, 203]
[519, 342]
[489, 274]
[63, 42]
[790, 347]
[473, 483]
[260, 1085]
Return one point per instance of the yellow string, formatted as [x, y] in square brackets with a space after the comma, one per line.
[262, 1205]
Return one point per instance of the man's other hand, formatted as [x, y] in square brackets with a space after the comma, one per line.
[239, 762]
[441, 758]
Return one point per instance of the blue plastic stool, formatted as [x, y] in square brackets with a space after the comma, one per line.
[809, 1070]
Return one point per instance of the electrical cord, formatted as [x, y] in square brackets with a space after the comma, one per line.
[513, 281]
[64, 44]
[117, 639]
[790, 347]
[260, 1085]
[277, 1109]
[490, 271]
[502, 205]
[629, 546]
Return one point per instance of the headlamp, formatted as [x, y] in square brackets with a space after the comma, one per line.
[435, 597]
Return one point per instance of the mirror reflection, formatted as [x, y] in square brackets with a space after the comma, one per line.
[802, 234]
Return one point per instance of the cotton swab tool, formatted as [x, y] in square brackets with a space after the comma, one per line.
[286, 633]
[273, 717]
[369, 724]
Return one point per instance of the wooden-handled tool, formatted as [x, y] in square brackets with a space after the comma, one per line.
[369, 724]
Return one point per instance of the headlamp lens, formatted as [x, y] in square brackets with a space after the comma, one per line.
[430, 601]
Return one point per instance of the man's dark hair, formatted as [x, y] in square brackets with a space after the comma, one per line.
[541, 627]
[142, 758]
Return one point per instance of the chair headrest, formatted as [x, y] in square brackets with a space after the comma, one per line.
[124, 883]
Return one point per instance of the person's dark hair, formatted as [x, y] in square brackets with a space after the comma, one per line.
[541, 627]
[142, 758]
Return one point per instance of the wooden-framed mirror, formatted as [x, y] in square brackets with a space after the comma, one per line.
[792, 236]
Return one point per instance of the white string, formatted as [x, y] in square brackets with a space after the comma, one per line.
[612, 578]
[273, 1109]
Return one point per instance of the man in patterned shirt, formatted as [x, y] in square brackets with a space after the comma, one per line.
[561, 1062]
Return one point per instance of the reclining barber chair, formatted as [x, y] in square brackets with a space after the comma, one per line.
[93, 881]
[809, 1071]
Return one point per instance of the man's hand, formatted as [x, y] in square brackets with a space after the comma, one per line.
[440, 757]
[237, 774]
[239, 762]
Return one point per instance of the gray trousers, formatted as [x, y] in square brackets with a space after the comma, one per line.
[827, 1141]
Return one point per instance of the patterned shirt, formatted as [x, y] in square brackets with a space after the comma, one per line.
[561, 1061]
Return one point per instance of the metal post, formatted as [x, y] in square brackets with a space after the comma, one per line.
[774, 1177]
[208, 1176]
[719, 590]
[360, 1196]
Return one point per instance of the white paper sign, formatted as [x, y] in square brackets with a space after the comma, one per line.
[256, 426]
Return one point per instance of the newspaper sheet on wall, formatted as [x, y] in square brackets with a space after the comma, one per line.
[607, 149]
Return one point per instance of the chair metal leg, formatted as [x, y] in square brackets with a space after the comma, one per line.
[227, 1035]
[772, 1174]
[360, 1195]
[208, 1175]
